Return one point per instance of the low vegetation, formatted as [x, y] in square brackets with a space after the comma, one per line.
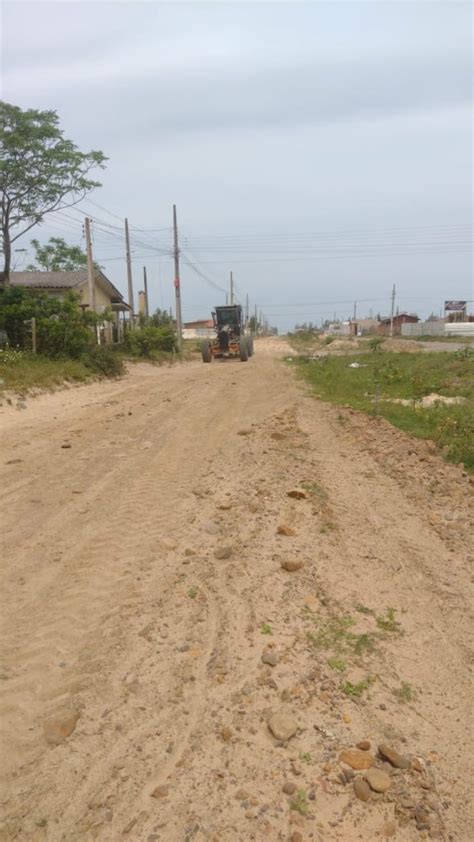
[21, 371]
[66, 341]
[382, 378]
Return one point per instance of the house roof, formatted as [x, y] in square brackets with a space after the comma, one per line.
[200, 323]
[63, 280]
[399, 315]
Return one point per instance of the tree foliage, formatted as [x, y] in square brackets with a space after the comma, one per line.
[58, 256]
[40, 172]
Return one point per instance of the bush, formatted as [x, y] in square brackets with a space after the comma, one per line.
[63, 328]
[147, 341]
[104, 360]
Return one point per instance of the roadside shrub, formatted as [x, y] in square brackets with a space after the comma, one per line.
[11, 357]
[63, 328]
[103, 360]
[147, 341]
[375, 343]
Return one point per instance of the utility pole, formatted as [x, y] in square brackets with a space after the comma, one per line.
[129, 272]
[247, 308]
[145, 286]
[177, 283]
[90, 265]
[392, 311]
[355, 310]
[231, 289]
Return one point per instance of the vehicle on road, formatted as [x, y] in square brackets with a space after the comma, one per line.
[231, 339]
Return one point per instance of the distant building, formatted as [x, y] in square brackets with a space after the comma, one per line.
[398, 320]
[200, 329]
[364, 327]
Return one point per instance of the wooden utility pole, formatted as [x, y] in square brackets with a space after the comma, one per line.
[145, 287]
[392, 311]
[177, 282]
[90, 264]
[355, 310]
[247, 308]
[231, 289]
[129, 272]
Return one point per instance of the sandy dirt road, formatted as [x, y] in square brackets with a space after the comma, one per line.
[143, 535]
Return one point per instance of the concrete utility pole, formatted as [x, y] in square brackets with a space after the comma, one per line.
[355, 310]
[231, 288]
[392, 311]
[247, 308]
[145, 287]
[129, 272]
[90, 264]
[177, 282]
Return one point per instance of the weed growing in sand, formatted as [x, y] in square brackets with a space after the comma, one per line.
[300, 802]
[337, 664]
[192, 593]
[334, 634]
[388, 622]
[405, 693]
[306, 757]
[316, 490]
[362, 609]
[356, 690]
[265, 628]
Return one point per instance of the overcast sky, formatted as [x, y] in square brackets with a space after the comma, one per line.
[320, 150]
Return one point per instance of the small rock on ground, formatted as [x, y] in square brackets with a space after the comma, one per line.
[160, 791]
[393, 756]
[362, 789]
[61, 727]
[378, 780]
[283, 529]
[364, 745]
[292, 564]
[356, 759]
[223, 552]
[270, 658]
[297, 494]
[282, 726]
[289, 788]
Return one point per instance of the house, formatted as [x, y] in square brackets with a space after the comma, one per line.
[202, 328]
[364, 327]
[57, 284]
[398, 320]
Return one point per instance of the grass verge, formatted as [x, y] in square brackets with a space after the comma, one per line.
[383, 377]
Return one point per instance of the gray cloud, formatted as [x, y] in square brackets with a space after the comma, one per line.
[266, 119]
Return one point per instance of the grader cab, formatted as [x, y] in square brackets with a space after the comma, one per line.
[230, 339]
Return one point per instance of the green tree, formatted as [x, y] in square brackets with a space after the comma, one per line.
[57, 256]
[161, 318]
[40, 172]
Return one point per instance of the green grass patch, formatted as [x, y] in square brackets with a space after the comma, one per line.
[405, 693]
[384, 376]
[337, 664]
[300, 802]
[265, 628]
[20, 372]
[358, 689]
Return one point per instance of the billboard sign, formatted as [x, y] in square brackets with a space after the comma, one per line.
[455, 306]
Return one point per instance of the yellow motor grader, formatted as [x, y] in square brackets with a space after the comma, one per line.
[230, 339]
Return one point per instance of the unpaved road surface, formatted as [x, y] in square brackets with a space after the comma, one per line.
[143, 583]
